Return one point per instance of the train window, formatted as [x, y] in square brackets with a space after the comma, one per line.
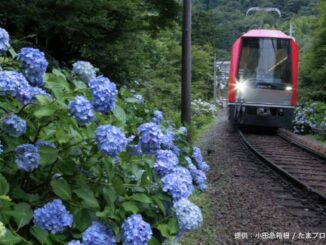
[265, 62]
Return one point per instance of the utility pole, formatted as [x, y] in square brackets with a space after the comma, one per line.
[215, 81]
[186, 65]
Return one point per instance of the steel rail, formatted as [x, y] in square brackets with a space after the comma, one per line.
[285, 174]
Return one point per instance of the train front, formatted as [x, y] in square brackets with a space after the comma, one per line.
[263, 79]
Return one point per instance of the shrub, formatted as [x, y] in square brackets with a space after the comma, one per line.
[69, 162]
[308, 116]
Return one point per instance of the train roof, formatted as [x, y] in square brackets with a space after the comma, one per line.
[267, 34]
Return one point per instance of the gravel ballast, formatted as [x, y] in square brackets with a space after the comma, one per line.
[246, 203]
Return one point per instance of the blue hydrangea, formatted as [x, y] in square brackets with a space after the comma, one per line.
[158, 117]
[4, 40]
[75, 242]
[135, 231]
[199, 159]
[14, 84]
[1, 148]
[139, 98]
[166, 162]
[53, 217]
[183, 130]
[110, 140]
[39, 91]
[168, 141]
[103, 92]
[27, 157]
[14, 125]
[44, 143]
[178, 184]
[150, 137]
[199, 178]
[34, 65]
[98, 234]
[84, 71]
[189, 215]
[82, 110]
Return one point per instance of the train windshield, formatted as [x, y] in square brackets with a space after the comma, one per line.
[265, 62]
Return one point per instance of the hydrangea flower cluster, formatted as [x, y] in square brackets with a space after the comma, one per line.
[166, 162]
[84, 71]
[75, 242]
[14, 125]
[103, 92]
[110, 140]
[150, 137]
[135, 231]
[4, 40]
[168, 141]
[27, 157]
[44, 143]
[183, 130]
[178, 184]
[139, 98]
[34, 64]
[82, 110]
[14, 84]
[53, 217]
[199, 159]
[158, 117]
[198, 176]
[189, 215]
[98, 234]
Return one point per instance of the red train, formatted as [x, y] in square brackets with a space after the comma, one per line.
[263, 79]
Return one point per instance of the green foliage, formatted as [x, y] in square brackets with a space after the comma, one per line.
[92, 186]
[313, 67]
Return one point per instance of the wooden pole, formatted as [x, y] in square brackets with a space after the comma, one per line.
[186, 65]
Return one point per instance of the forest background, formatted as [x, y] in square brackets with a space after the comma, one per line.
[137, 43]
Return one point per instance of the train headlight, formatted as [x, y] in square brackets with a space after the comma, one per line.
[241, 86]
[288, 88]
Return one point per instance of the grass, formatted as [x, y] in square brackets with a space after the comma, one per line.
[320, 139]
[206, 234]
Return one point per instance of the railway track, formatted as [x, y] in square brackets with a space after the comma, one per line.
[302, 167]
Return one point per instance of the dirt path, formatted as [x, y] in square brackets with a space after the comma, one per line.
[238, 203]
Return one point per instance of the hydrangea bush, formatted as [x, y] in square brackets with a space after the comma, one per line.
[88, 163]
[309, 116]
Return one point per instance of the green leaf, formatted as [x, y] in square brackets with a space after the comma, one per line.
[61, 188]
[22, 214]
[120, 114]
[153, 241]
[109, 195]
[160, 205]
[42, 100]
[44, 112]
[12, 52]
[82, 219]
[87, 196]
[48, 155]
[4, 186]
[41, 235]
[10, 238]
[164, 229]
[131, 100]
[130, 207]
[140, 197]
[118, 185]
